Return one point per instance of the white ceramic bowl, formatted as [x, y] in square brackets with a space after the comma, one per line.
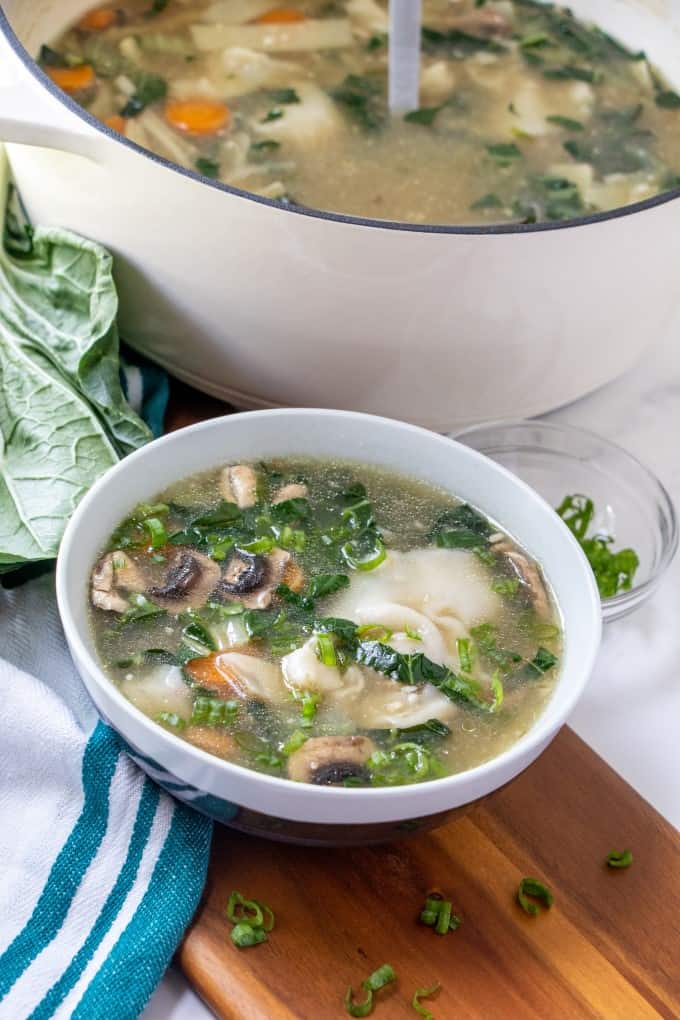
[277, 807]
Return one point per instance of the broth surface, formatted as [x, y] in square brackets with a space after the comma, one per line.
[527, 114]
[332, 623]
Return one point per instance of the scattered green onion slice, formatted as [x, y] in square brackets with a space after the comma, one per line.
[238, 908]
[532, 887]
[464, 650]
[157, 532]
[424, 993]
[175, 722]
[620, 858]
[244, 935]
[414, 635]
[325, 650]
[269, 918]
[438, 914]
[374, 632]
[384, 975]
[369, 562]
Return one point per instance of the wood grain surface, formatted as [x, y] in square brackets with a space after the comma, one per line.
[609, 947]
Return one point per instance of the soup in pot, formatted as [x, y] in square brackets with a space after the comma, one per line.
[526, 113]
[326, 622]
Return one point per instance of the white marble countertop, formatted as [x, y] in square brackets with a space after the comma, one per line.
[630, 713]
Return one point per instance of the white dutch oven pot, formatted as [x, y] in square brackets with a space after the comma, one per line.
[262, 305]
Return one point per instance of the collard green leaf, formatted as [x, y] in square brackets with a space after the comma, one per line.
[63, 417]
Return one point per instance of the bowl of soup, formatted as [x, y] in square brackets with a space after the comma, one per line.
[325, 626]
[281, 240]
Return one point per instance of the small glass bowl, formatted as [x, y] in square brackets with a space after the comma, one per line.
[630, 502]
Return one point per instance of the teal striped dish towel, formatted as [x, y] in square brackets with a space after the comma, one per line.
[100, 871]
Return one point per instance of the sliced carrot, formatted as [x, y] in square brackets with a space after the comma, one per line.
[197, 116]
[116, 123]
[280, 16]
[216, 674]
[99, 20]
[73, 79]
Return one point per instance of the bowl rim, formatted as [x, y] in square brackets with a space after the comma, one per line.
[525, 749]
[34, 69]
[612, 604]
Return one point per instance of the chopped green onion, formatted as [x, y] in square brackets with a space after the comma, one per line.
[140, 609]
[620, 859]
[424, 993]
[369, 562]
[295, 741]
[532, 887]
[374, 632]
[269, 918]
[171, 720]
[381, 977]
[325, 650]
[157, 532]
[497, 689]
[244, 935]
[505, 586]
[438, 914]
[464, 650]
[414, 635]
[214, 712]
[545, 632]
[237, 910]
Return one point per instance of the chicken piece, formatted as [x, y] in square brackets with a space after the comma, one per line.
[114, 576]
[238, 484]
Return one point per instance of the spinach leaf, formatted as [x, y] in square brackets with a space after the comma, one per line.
[284, 96]
[149, 88]
[461, 44]
[547, 197]
[460, 528]
[425, 115]
[63, 416]
[364, 99]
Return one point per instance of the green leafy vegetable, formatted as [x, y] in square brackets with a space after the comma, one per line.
[284, 96]
[425, 115]
[489, 201]
[438, 914]
[208, 167]
[63, 417]
[381, 977]
[620, 858]
[566, 122]
[140, 609]
[266, 145]
[614, 571]
[504, 153]
[572, 72]
[274, 114]
[548, 197]
[460, 44]
[424, 993]
[364, 99]
[531, 887]
[149, 89]
[460, 528]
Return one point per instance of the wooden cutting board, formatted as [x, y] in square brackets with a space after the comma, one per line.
[609, 948]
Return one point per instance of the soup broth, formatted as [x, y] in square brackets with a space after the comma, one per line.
[326, 622]
[526, 113]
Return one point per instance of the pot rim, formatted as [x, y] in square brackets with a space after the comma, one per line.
[46, 82]
[322, 803]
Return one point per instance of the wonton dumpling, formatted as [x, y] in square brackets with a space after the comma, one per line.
[384, 703]
[304, 671]
[161, 689]
[446, 585]
[399, 619]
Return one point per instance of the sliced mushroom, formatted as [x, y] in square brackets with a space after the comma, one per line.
[331, 760]
[276, 563]
[239, 675]
[115, 573]
[189, 580]
[528, 573]
[244, 573]
[295, 490]
[238, 484]
[483, 21]
[212, 740]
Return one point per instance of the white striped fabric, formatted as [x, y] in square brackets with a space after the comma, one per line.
[101, 871]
